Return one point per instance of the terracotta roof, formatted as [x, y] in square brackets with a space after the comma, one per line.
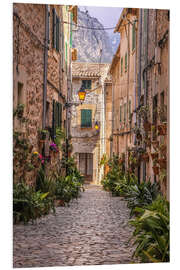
[80, 69]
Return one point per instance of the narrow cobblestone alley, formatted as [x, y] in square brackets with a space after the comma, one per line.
[91, 231]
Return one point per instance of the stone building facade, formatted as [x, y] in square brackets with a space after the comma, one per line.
[140, 95]
[87, 141]
[41, 51]
[153, 95]
[123, 71]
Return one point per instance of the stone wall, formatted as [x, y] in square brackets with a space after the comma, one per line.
[28, 74]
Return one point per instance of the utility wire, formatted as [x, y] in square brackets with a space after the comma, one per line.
[108, 28]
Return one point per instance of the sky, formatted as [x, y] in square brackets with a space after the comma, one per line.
[108, 16]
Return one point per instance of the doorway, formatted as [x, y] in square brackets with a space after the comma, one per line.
[86, 165]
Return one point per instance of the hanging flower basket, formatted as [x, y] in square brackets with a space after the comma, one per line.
[155, 170]
[162, 129]
[154, 155]
[145, 157]
[163, 163]
[147, 126]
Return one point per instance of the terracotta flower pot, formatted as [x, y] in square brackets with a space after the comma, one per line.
[154, 155]
[163, 163]
[162, 129]
[145, 157]
[155, 170]
[147, 126]
[163, 150]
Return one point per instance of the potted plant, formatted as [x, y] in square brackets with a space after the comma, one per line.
[162, 112]
[162, 163]
[154, 155]
[148, 141]
[156, 170]
[163, 149]
[155, 144]
[19, 111]
[145, 157]
[147, 126]
[162, 129]
[42, 134]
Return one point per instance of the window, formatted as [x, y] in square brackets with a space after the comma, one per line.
[86, 84]
[133, 36]
[121, 66]
[56, 28]
[20, 93]
[125, 112]
[125, 62]
[47, 114]
[120, 114]
[129, 109]
[86, 118]
[56, 117]
[71, 31]
[66, 54]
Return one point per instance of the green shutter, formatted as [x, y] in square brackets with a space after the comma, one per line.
[53, 120]
[133, 36]
[54, 29]
[129, 108]
[125, 112]
[121, 65]
[120, 113]
[60, 115]
[71, 31]
[86, 118]
[57, 33]
[126, 62]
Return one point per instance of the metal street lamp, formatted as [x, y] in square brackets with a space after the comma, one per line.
[82, 94]
[96, 125]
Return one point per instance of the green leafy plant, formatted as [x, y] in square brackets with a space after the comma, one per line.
[60, 137]
[140, 195]
[151, 232]
[29, 204]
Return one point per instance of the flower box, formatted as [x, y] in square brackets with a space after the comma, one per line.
[155, 170]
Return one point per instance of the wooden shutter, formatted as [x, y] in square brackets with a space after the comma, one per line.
[54, 29]
[53, 120]
[86, 118]
[60, 115]
[125, 112]
[133, 36]
[57, 33]
[120, 114]
[121, 65]
[71, 31]
[126, 62]
[129, 108]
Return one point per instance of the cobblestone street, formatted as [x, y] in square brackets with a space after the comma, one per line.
[92, 231]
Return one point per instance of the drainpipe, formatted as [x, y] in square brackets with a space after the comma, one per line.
[139, 57]
[112, 120]
[45, 65]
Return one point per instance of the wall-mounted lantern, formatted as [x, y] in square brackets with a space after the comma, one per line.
[82, 94]
[96, 125]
